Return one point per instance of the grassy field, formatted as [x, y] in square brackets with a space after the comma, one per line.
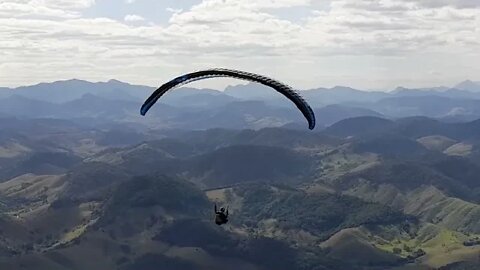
[442, 246]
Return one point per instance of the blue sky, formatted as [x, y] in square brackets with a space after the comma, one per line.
[152, 10]
[366, 44]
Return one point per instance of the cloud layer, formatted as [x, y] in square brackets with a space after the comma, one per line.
[362, 43]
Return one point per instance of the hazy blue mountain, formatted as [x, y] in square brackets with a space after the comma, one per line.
[410, 127]
[22, 106]
[118, 94]
[331, 114]
[242, 114]
[360, 126]
[90, 105]
[436, 91]
[316, 97]
[5, 92]
[242, 106]
[89, 109]
[62, 91]
[469, 86]
[341, 94]
[428, 105]
[250, 91]
[196, 98]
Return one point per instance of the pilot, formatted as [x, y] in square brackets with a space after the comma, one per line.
[221, 217]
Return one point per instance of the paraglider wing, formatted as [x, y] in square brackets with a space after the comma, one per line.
[284, 89]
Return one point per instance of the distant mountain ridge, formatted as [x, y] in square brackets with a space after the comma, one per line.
[66, 90]
[242, 106]
[63, 91]
[469, 86]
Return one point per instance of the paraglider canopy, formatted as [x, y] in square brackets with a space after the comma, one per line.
[284, 89]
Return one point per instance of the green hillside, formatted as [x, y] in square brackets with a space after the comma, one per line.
[297, 201]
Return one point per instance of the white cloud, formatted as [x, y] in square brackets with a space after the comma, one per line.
[133, 18]
[43, 8]
[362, 43]
[63, 4]
[442, 3]
[174, 10]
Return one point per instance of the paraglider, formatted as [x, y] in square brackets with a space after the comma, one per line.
[221, 217]
[284, 89]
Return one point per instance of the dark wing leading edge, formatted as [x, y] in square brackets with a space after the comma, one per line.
[284, 89]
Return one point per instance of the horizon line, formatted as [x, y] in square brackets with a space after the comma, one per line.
[235, 85]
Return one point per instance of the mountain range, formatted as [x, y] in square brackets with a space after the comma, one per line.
[243, 106]
[387, 180]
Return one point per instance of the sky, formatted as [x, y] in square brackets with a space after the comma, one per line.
[366, 44]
